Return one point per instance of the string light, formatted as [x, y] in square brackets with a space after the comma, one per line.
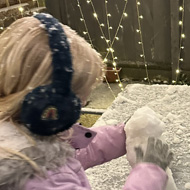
[95, 15]
[105, 60]
[140, 17]
[125, 14]
[108, 41]
[21, 9]
[182, 37]
[180, 22]
[86, 28]
[181, 8]
[114, 64]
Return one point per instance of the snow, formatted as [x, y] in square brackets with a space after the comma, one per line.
[172, 106]
[187, 186]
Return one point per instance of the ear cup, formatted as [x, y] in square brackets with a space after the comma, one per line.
[46, 112]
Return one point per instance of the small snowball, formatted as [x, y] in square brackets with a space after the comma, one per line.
[176, 140]
[179, 132]
[187, 186]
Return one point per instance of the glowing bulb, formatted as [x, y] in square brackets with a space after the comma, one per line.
[107, 41]
[125, 14]
[139, 42]
[84, 33]
[109, 15]
[105, 60]
[95, 15]
[120, 26]
[138, 3]
[102, 37]
[110, 49]
[114, 64]
[137, 30]
[141, 55]
[115, 73]
[81, 19]
[181, 8]
[141, 17]
[117, 80]
[120, 85]
[182, 47]
[183, 35]
[173, 81]
[115, 57]
[21, 9]
[106, 1]
[1, 28]
[110, 28]
[180, 22]
[177, 71]
[117, 38]
[181, 59]
[88, 1]
[102, 24]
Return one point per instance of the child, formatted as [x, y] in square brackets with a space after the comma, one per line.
[46, 70]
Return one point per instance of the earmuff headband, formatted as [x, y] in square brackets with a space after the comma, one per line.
[53, 108]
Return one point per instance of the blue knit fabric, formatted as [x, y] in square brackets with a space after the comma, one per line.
[54, 108]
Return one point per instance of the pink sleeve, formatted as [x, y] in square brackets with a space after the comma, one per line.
[109, 143]
[146, 176]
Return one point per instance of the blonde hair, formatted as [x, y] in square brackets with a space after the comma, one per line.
[25, 63]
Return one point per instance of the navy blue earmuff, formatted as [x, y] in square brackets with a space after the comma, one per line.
[53, 108]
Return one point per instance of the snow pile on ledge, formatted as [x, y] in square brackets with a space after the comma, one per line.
[172, 105]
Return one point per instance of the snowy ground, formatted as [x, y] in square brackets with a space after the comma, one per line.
[172, 104]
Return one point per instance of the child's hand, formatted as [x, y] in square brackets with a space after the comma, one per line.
[156, 153]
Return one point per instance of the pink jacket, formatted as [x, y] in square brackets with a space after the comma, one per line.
[93, 147]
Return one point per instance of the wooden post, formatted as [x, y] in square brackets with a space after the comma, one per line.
[7, 3]
[174, 7]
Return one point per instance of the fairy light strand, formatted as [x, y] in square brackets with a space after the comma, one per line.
[86, 28]
[87, 32]
[107, 19]
[110, 49]
[139, 30]
[109, 36]
[182, 36]
[119, 27]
